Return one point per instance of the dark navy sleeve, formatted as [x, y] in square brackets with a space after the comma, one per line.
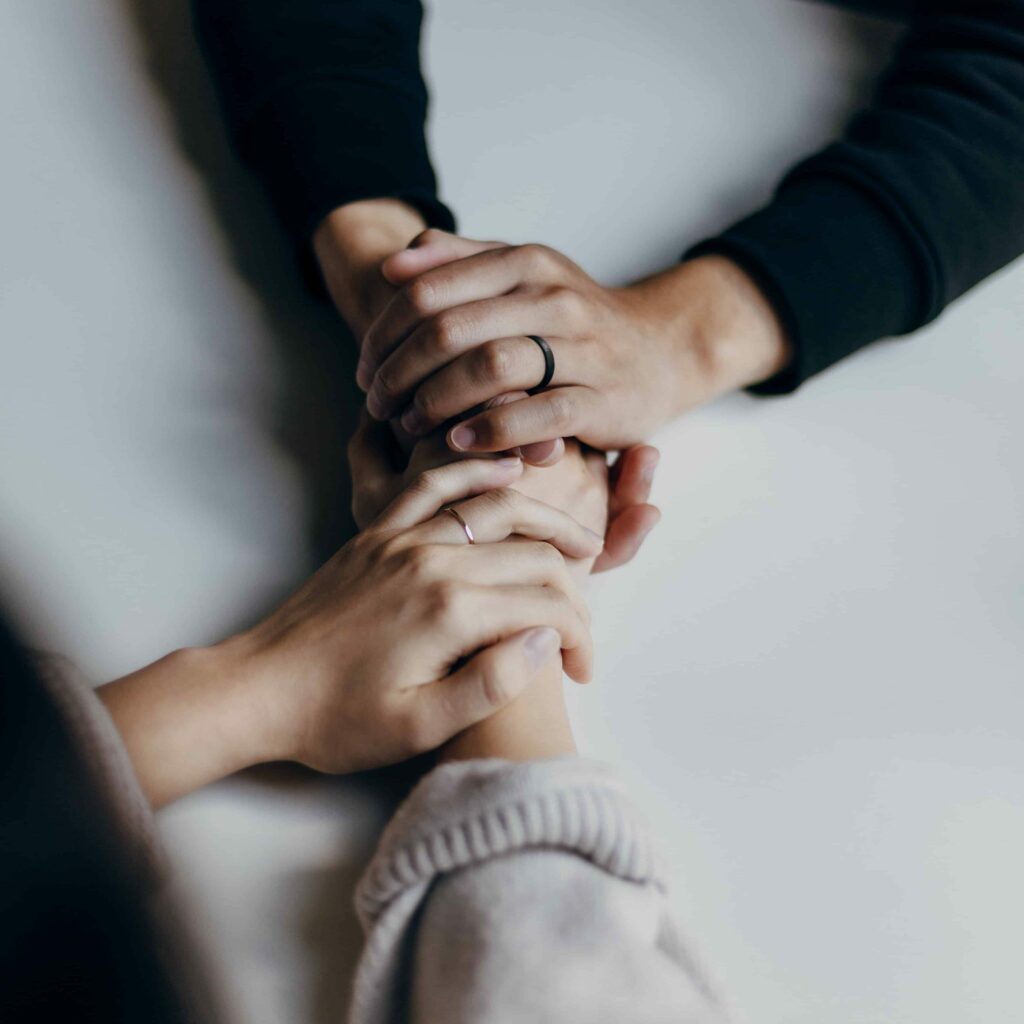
[920, 200]
[324, 100]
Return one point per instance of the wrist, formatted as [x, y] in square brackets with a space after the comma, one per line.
[535, 726]
[721, 330]
[350, 244]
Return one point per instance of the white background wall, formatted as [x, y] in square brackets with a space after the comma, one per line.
[812, 675]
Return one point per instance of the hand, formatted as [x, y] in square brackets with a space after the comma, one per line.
[627, 359]
[382, 468]
[407, 636]
[351, 244]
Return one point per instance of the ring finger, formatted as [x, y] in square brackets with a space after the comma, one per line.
[443, 338]
[490, 369]
[502, 513]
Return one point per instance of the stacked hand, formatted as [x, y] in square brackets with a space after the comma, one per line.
[408, 635]
[352, 245]
[457, 333]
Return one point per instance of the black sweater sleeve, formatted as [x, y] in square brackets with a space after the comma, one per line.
[325, 100]
[921, 199]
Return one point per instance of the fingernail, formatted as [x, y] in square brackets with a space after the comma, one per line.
[539, 645]
[462, 437]
[509, 462]
[363, 376]
[413, 421]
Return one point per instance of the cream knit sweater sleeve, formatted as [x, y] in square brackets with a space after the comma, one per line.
[504, 893]
[500, 893]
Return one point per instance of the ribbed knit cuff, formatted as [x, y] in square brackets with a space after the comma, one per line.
[468, 812]
[839, 264]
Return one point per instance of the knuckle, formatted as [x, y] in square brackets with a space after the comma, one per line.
[445, 601]
[493, 361]
[391, 549]
[539, 259]
[423, 562]
[425, 485]
[504, 500]
[569, 306]
[430, 403]
[446, 333]
[421, 296]
[561, 410]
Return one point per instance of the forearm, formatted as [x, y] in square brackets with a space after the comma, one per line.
[187, 720]
[350, 244]
[722, 332]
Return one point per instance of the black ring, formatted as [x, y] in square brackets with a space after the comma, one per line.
[549, 363]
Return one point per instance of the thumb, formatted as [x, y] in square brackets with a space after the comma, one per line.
[429, 249]
[490, 680]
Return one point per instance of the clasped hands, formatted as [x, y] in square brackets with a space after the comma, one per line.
[409, 636]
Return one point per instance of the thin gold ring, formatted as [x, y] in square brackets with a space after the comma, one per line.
[462, 522]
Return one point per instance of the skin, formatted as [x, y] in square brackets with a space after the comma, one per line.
[320, 682]
[405, 638]
[352, 245]
[536, 724]
[628, 360]
[450, 342]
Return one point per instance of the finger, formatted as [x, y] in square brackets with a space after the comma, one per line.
[484, 275]
[560, 412]
[501, 513]
[634, 475]
[435, 488]
[492, 613]
[524, 562]
[626, 533]
[437, 340]
[543, 453]
[430, 249]
[485, 684]
[483, 372]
